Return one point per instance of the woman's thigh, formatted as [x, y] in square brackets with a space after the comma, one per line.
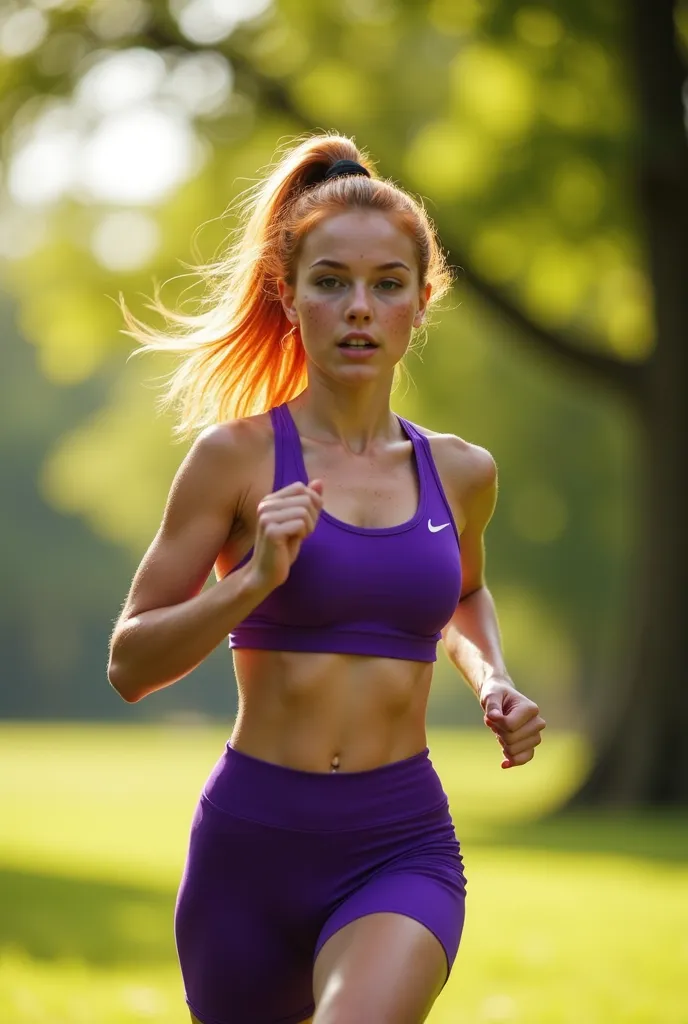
[243, 932]
[381, 967]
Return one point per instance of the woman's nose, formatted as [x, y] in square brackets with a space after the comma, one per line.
[359, 306]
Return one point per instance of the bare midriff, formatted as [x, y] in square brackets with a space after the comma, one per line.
[329, 712]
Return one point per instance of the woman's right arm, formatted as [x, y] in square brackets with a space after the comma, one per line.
[169, 624]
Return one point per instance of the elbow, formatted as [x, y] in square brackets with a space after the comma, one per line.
[122, 682]
[121, 673]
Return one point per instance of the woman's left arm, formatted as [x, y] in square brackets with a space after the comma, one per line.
[471, 637]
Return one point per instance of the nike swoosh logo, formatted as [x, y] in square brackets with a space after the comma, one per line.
[436, 529]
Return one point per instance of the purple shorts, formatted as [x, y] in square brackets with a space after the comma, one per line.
[280, 859]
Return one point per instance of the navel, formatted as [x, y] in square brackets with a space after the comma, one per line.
[334, 763]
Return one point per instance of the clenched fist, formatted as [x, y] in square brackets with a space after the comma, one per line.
[514, 719]
[285, 519]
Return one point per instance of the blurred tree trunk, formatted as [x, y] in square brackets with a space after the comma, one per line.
[640, 751]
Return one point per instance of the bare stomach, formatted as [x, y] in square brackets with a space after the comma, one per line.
[329, 712]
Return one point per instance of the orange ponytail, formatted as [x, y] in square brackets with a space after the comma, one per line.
[238, 359]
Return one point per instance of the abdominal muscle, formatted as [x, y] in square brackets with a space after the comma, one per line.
[329, 712]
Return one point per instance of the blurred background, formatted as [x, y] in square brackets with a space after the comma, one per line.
[548, 141]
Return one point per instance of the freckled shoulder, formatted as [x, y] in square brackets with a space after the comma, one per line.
[466, 470]
[237, 443]
[234, 454]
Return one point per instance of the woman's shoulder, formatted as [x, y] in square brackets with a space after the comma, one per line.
[234, 442]
[461, 463]
[225, 463]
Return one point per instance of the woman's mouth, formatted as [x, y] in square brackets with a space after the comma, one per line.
[357, 341]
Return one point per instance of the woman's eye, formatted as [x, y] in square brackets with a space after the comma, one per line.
[330, 283]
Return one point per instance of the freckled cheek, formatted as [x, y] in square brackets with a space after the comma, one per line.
[400, 319]
[315, 316]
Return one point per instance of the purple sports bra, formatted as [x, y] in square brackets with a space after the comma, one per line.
[385, 591]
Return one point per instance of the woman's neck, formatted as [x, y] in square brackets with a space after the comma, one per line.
[353, 417]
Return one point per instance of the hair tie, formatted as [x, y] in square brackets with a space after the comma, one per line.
[342, 167]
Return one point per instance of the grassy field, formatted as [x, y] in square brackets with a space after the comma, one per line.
[576, 920]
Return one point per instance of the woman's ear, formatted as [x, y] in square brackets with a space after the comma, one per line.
[423, 300]
[286, 294]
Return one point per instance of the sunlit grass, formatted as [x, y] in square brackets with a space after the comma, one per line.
[574, 920]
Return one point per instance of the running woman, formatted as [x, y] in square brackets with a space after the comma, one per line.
[324, 880]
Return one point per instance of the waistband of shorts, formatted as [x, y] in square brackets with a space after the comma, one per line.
[275, 795]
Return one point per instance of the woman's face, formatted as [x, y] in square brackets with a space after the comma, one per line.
[357, 272]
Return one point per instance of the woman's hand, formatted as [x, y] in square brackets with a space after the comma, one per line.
[514, 719]
[285, 519]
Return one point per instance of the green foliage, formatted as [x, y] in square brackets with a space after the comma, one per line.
[556, 930]
[62, 584]
[58, 595]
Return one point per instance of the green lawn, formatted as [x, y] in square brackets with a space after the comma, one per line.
[579, 920]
